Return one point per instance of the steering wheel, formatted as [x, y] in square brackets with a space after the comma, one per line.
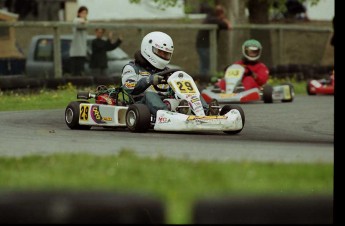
[165, 75]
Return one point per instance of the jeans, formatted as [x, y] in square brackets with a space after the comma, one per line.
[204, 61]
[154, 102]
[77, 66]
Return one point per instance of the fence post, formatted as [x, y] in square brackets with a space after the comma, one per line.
[213, 51]
[57, 53]
[280, 43]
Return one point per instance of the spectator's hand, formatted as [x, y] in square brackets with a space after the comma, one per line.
[120, 37]
[228, 23]
[155, 79]
[110, 35]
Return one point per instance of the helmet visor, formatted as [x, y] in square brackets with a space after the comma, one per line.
[161, 53]
[252, 51]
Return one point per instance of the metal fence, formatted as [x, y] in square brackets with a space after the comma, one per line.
[288, 44]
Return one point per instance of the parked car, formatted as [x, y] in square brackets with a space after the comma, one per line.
[40, 58]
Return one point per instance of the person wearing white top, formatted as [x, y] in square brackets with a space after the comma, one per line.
[78, 49]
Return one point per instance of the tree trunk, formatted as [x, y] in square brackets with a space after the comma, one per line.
[258, 11]
[235, 12]
[259, 14]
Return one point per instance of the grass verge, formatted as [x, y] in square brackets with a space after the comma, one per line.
[177, 183]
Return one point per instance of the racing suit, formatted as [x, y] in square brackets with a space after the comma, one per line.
[136, 82]
[256, 74]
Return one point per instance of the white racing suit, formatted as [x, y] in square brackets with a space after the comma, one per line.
[135, 81]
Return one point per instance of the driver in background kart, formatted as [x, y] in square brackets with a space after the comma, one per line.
[139, 76]
[256, 73]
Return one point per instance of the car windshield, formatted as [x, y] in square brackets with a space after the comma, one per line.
[117, 54]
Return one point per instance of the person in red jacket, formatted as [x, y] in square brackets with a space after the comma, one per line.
[256, 73]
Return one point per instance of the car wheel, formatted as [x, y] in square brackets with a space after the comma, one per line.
[72, 116]
[226, 108]
[138, 118]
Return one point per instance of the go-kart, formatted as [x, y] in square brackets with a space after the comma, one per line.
[321, 86]
[233, 91]
[114, 107]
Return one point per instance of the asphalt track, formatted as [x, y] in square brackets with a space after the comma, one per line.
[300, 131]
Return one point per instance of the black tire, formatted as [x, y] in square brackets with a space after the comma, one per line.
[292, 92]
[267, 94]
[308, 89]
[72, 116]
[85, 95]
[226, 108]
[138, 118]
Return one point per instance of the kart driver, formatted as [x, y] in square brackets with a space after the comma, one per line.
[256, 73]
[139, 75]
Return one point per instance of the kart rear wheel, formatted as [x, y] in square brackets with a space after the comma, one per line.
[226, 108]
[308, 88]
[138, 118]
[72, 112]
[267, 94]
[292, 92]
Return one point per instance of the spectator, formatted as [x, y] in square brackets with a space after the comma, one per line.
[78, 50]
[295, 9]
[26, 9]
[216, 16]
[100, 46]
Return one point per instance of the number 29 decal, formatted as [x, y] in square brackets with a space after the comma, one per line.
[84, 112]
[185, 87]
[233, 73]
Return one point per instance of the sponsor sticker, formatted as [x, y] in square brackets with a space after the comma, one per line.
[226, 95]
[211, 117]
[130, 85]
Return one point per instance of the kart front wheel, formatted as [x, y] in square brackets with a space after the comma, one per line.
[267, 94]
[226, 108]
[72, 112]
[138, 118]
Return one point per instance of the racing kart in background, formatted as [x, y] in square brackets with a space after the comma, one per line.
[321, 86]
[115, 108]
[233, 91]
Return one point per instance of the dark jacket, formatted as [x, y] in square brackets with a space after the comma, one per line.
[203, 36]
[100, 47]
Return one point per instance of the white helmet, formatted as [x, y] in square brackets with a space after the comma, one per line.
[157, 48]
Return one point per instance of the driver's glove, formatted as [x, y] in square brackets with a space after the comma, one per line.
[247, 72]
[155, 79]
